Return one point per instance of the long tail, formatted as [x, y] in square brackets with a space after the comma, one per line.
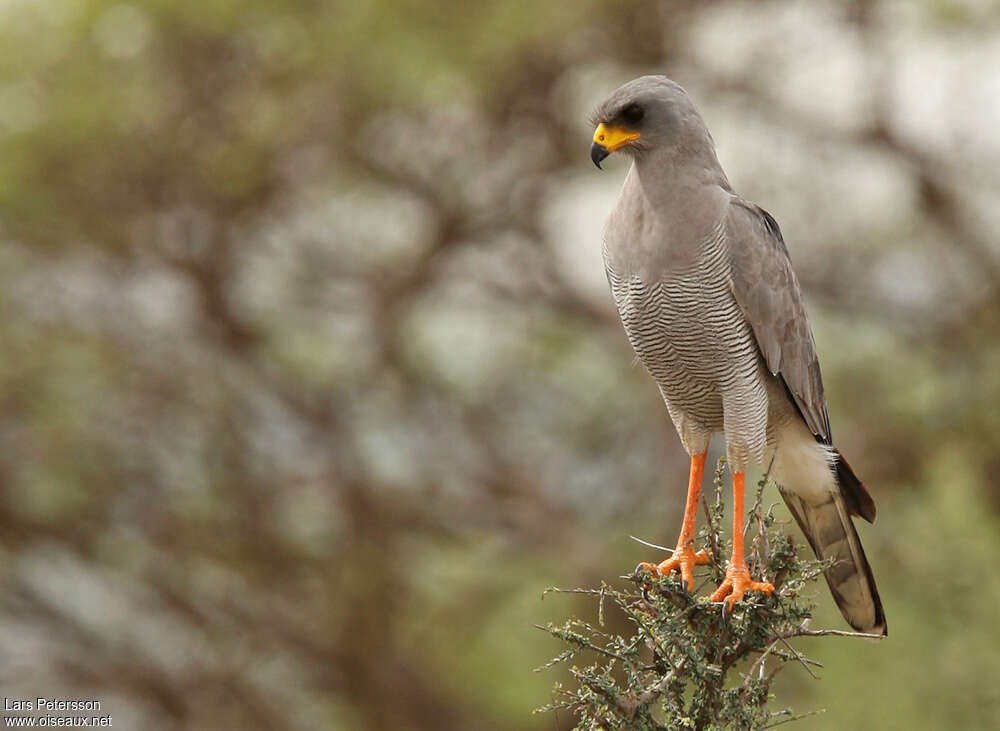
[822, 492]
[826, 522]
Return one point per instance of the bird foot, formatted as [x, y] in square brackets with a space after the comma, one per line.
[737, 583]
[684, 559]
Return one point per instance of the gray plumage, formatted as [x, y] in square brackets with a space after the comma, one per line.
[710, 303]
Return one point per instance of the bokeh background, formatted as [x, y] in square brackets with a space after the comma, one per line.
[311, 381]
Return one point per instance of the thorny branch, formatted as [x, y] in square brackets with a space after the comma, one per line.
[677, 661]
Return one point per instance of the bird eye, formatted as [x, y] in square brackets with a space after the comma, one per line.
[632, 114]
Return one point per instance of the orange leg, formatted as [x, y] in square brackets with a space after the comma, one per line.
[685, 558]
[738, 581]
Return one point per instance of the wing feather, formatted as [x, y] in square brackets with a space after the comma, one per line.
[768, 293]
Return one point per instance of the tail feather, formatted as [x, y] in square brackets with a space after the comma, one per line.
[859, 500]
[831, 534]
[822, 492]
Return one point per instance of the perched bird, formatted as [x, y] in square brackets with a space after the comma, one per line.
[708, 298]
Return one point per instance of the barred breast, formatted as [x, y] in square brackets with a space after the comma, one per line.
[689, 333]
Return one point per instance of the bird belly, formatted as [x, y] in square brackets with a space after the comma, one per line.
[678, 349]
[690, 334]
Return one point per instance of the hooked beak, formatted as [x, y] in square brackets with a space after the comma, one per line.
[597, 153]
[607, 139]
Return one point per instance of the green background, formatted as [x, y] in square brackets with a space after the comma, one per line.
[311, 382]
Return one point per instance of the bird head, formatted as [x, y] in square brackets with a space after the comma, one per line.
[645, 114]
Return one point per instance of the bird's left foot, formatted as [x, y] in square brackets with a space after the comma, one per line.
[737, 583]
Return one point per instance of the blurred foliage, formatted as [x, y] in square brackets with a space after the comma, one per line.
[311, 381]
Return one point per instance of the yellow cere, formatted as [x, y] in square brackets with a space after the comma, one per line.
[613, 137]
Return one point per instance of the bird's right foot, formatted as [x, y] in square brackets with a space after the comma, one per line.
[685, 558]
[737, 583]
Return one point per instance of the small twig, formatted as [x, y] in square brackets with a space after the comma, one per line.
[561, 657]
[835, 633]
[710, 514]
[795, 718]
[652, 545]
[758, 663]
[590, 646]
[627, 708]
[713, 532]
[661, 685]
[785, 656]
[557, 590]
[798, 656]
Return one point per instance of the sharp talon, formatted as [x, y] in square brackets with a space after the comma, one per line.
[737, 583]
[643, 568]
[684, 559]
